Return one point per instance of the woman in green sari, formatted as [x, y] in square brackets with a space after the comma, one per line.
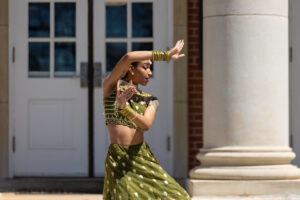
[131, 170]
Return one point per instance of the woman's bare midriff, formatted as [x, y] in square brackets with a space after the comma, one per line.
[124, 135]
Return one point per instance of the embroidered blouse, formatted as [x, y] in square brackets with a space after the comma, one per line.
[138, 102]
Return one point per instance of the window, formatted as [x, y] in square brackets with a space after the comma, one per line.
[129, 27]
[52, 39]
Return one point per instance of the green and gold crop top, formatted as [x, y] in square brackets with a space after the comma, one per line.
[138, 102]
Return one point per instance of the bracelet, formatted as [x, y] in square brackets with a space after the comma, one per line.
[161, 55]
[128, 112]
[135, 115]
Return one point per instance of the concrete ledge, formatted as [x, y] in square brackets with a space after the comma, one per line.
[49, 196]
[56, 185]
[200, 188]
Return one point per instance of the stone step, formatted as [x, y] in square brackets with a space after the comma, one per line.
[49, 196]
[52, 185]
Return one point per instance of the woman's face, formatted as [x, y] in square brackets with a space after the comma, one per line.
[142, 73]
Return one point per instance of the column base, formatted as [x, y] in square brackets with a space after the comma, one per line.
[240, 189]
[259, 172]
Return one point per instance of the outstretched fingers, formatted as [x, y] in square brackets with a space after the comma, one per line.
[123, 97]
[181, 45]
[177, 43]
[127, 94]
[181, 55]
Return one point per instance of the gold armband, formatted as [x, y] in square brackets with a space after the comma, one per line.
[128, 112]
[161, 55]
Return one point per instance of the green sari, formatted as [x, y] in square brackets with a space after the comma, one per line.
[132, 172]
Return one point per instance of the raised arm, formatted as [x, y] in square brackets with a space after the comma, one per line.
[123, 64]
[122, 67]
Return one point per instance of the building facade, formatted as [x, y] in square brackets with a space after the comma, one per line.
[46, 45]
[44, 53]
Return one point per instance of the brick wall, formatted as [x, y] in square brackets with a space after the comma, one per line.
[194, 84]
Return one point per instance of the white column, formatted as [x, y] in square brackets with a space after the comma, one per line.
[246, 96]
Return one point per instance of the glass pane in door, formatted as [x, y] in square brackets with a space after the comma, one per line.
[116, 20]
[142, 22]
[39, 59]
[114, 51]
[39, 19]
[65, 58]
[65, 19]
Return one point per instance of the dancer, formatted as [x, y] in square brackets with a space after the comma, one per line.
[131, 169]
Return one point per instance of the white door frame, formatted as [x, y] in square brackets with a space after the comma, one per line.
[294, 130]
[11, 71]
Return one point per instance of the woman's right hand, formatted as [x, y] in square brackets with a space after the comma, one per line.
[123, 97]
[175, 51]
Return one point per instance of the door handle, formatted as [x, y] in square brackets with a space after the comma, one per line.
[98, 76]
[82, 74]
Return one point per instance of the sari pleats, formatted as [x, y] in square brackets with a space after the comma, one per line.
[132, 172]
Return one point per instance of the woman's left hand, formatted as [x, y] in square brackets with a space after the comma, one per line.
[175, 51]
[123, 97]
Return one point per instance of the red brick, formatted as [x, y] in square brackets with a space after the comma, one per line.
[195, 85]
[197, 88]
[194, 81]
[193, 18]
[196, 131]
[191, 60]
[199, 145]
[195, 95]
[195, 138]
[199, 116]
[194, 23]
[193, 66]
[193, 53]
[195, 109]
[193, 10]
[191, 74]
[199, 74]
[195, 124]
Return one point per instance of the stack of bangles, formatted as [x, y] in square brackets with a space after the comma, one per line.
[161, 55]
[128, 112]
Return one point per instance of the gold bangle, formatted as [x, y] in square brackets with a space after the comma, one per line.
[128, 112]
[135, 115]
[161, 55]
[167, 56]
[157, 55]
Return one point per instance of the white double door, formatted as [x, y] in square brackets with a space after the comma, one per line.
[50, 107]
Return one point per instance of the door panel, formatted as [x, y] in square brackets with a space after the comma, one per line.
[50, 106]
[134, 25]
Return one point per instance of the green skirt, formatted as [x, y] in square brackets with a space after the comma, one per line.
[132, 172]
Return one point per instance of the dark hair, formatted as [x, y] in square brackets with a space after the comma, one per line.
[134, 64]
